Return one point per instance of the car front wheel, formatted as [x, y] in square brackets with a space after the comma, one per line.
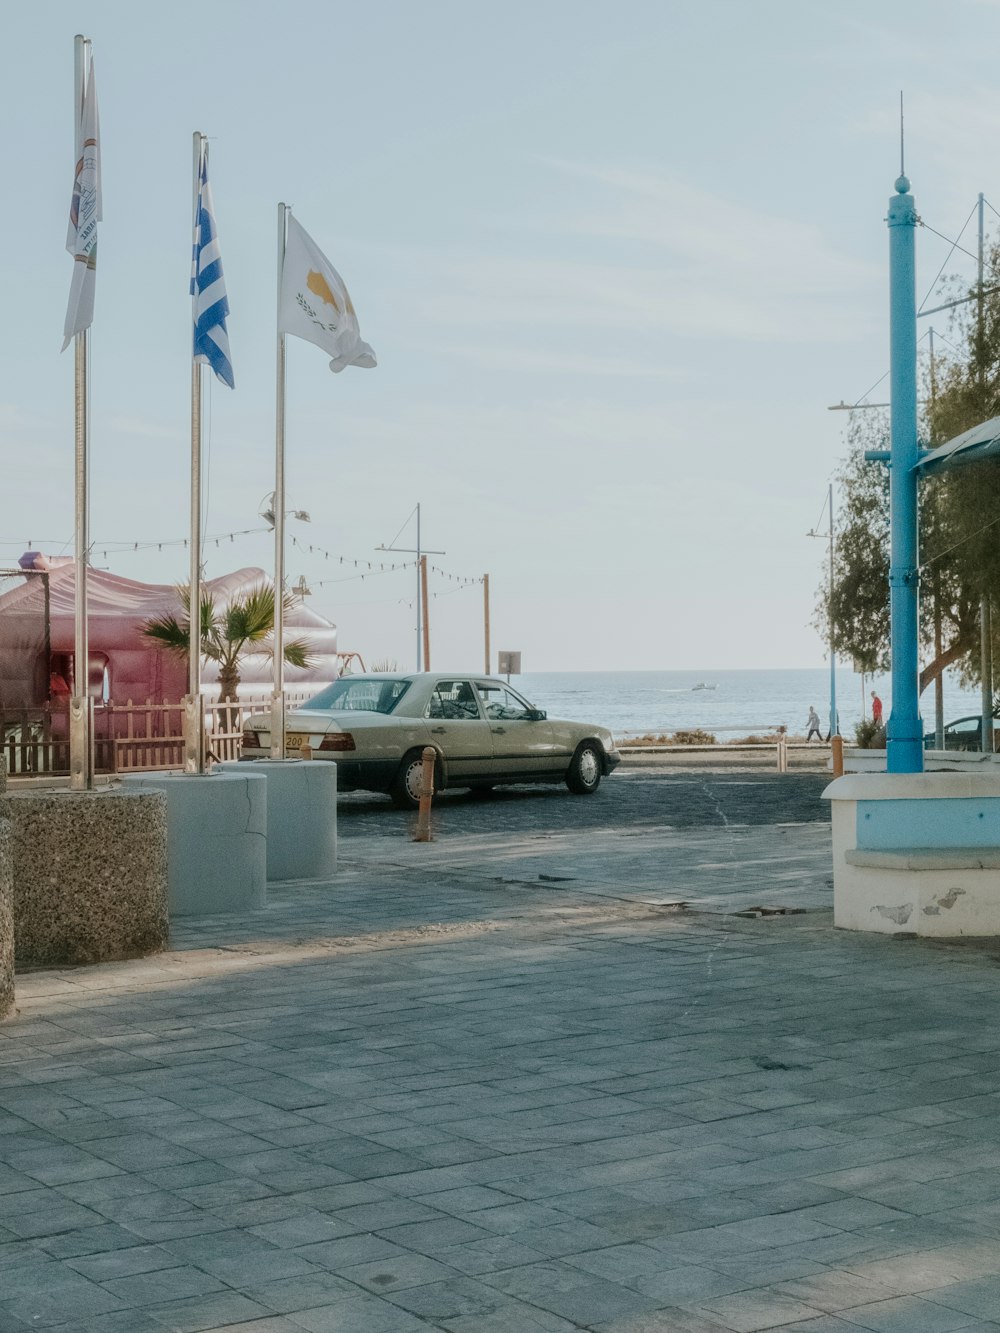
[405, 791]
[584, 773]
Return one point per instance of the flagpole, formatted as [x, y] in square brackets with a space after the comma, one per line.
[194, 747]
[278, 694]
[81, 730]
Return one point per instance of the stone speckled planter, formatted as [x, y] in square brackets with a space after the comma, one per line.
[6, 921]
[89, 875]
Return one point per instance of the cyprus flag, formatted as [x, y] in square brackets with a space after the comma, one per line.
[314, 303]
[84, 215]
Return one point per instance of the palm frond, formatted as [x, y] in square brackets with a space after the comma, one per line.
[174, 634]
[249, 618]
[227, 632]
[296, 653]
[169, 632]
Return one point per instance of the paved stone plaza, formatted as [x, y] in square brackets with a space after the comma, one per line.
[536, 1075]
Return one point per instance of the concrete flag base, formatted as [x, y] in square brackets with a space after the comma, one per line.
[216, 838]
[89, 872]
[301, 816]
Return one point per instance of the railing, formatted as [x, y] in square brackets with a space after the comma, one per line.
[128, 738]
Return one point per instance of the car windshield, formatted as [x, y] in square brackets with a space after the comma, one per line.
[360, 695]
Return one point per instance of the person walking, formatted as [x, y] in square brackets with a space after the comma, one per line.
[812, 723]
[876, 709]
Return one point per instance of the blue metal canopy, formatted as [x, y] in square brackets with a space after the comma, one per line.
[981, 441]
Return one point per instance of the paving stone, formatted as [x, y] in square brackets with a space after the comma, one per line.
[301, 1229]
[121, 1321]
[571, 1294]
[907, 1314]
[213, 1310]
[489, 1255]
[542, 1105]
[123, 1263]
[397, 1272]
[337, 1255]
[670, 1321]
[749, 1311]
[359, 1314]
[148, 1289]
[980, 1297]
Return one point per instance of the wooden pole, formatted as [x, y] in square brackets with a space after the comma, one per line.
[427, 627]
[837, 755]
[429, 756]
[486, 618]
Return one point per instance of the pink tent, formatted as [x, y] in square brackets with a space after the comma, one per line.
[123, 663]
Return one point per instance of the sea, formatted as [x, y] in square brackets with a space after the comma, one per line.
[729, 704]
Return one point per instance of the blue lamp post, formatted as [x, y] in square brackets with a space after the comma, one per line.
[904, 734]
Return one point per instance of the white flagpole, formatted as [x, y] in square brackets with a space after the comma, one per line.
[81, 764]
[278, 694]
[194, 745]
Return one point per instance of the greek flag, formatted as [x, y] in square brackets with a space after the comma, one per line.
[208, 286]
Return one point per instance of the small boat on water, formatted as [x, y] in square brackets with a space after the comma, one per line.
[702, 686]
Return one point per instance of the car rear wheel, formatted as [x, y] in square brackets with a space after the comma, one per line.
[405, 790]
[583, 777]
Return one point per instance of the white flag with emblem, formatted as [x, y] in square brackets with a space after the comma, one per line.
[84, 215]
[314, 303]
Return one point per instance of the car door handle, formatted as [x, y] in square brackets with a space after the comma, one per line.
[499, 731]
[438, 731]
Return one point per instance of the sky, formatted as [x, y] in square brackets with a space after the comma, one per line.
[615, 260]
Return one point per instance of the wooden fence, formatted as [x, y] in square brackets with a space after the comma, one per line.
[128, 738]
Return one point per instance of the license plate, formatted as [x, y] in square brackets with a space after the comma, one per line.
[295, 740]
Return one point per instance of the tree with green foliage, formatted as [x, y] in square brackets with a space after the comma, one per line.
[959, 511]
[228, 633]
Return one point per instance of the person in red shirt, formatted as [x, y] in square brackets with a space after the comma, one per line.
[58, 689]
[876, 708]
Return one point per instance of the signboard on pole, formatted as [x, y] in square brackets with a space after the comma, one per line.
[509, 664]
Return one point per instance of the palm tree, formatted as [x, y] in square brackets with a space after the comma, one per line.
[228, 633]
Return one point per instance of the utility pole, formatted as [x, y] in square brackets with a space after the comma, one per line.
[939, 678]
[985, 618]
[486, 618]
[427, 627]
[834, 719]
[419, 552]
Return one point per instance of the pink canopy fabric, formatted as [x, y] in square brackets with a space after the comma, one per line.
[137, 669]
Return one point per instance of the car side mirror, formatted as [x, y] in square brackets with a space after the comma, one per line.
[536, 714]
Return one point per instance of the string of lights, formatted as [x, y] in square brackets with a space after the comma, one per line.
[374, 567]
[369, 567]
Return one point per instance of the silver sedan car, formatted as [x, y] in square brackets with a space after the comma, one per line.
[376, 726]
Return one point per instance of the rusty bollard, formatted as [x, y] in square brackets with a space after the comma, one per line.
[423, 831]
[837, 753]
